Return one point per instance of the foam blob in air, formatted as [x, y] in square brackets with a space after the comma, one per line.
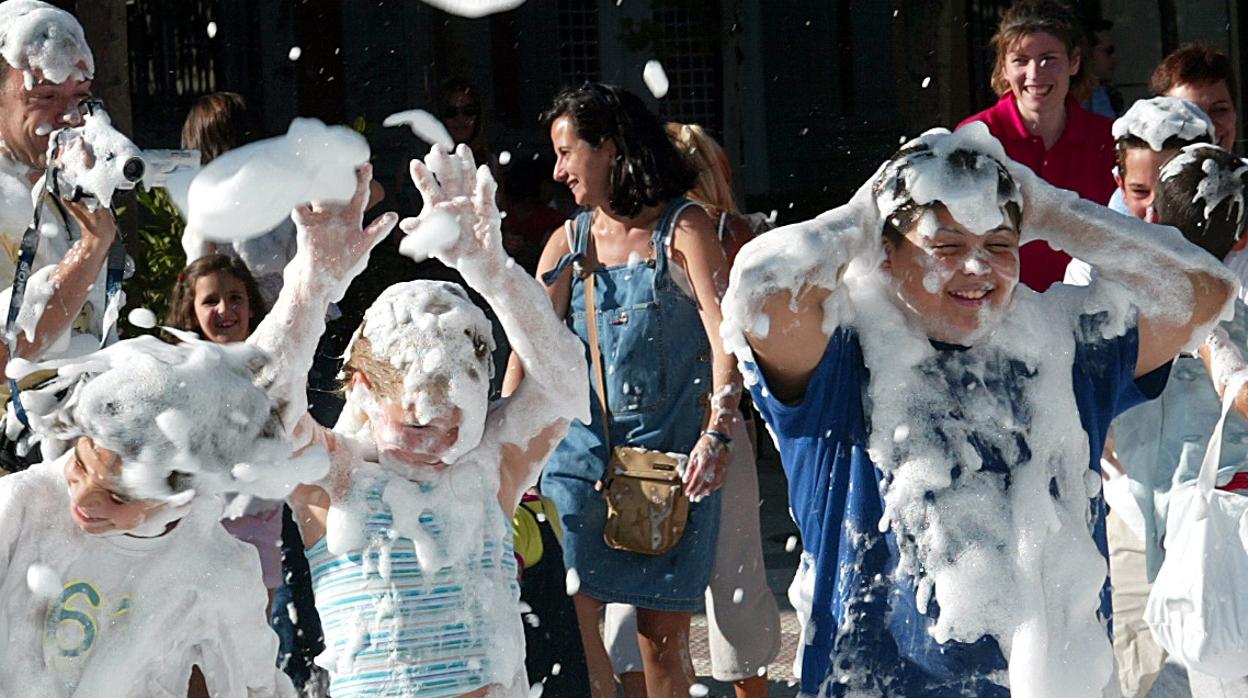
[249, 190]
[43, 581]
[655, 78]
[474, 8]
[212, 30]
[142, 317]
[426, 126]
[295, 53]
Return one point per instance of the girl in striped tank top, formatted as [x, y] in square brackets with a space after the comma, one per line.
[409, 533]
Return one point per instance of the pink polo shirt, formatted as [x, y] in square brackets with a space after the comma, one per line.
[1082, 160]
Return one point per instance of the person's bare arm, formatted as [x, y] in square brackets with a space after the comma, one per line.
[559, 291]
[72, 280]
[332, 249]
[1177, 288]
[1227, 368]
[783, 295]
[696, 247]
[555, 388]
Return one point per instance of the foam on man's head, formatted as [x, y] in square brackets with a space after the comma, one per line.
[44, 42]
[1202, 193]
[963, 171]
[192, 408]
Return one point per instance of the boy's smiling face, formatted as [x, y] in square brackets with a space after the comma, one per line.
[97, 503]
[950, 280]
[1139, 182]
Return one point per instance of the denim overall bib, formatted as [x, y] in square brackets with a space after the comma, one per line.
[658, 365]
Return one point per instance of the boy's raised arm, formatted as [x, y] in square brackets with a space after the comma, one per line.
[555, 389]
[1178, 289]
[333, 248]
[784, 292]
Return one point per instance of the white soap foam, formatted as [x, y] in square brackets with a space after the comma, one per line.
[1158, 119]
[36, 37]
[250, 190]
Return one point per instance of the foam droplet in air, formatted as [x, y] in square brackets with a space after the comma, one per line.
[791, 544]
[699, 690]
[424, 125]
[655, 79]
[927, 81]
[295, 53]
[212, 30]
[438, 230]
[738, 595]
[573, 582]
[43, 581]
[555, 669]
[142, 317]
[504, 157]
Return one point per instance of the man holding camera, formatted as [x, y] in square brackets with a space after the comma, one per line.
[45, 76]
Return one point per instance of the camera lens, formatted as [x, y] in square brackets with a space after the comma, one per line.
[133, 169]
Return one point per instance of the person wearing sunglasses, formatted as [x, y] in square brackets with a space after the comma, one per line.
[459, 107]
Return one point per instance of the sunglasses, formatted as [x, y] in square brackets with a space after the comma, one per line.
[470, 111]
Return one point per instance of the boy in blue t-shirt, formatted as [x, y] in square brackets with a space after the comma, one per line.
[939, 425]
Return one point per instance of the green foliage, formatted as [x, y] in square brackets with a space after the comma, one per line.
[157, 251]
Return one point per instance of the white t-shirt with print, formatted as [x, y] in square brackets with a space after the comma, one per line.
[132, 614]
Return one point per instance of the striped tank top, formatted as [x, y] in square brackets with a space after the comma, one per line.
[395, 629]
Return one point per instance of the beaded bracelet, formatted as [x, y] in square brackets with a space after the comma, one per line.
[718, 436]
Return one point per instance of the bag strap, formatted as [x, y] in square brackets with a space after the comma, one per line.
[595, 351]
[1207, 480]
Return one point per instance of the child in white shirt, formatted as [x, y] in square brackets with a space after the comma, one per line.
[115, 581]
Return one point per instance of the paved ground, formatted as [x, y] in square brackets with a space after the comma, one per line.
[777, 527]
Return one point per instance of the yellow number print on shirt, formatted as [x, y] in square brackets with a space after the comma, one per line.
[74, 623]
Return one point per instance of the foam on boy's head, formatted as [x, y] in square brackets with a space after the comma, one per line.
[192, 409]
[1163, 123]
[440, 343]
[1201, 192]
[961, 170]
[40, 39]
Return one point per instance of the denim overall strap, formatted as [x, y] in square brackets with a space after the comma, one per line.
[663, 232]
[580, 239]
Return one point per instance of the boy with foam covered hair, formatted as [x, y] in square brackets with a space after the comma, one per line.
[1147, 135]
[941, 425]
[1160, 444]
[116, 576]
[409, 535]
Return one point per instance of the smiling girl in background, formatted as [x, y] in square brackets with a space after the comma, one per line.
[1040, 123]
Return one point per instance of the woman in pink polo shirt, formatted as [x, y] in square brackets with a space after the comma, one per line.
[1038, 121]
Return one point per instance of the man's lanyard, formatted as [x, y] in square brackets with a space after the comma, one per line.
[26, 261]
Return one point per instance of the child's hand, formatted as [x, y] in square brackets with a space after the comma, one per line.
[332, 236]
[460, 221]
[708, 465]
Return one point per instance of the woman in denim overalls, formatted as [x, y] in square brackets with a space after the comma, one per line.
[662, 357]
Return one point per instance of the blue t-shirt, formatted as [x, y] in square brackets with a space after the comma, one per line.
[834, 494]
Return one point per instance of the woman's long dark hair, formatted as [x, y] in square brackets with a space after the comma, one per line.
[181, 315]
[648, 169]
